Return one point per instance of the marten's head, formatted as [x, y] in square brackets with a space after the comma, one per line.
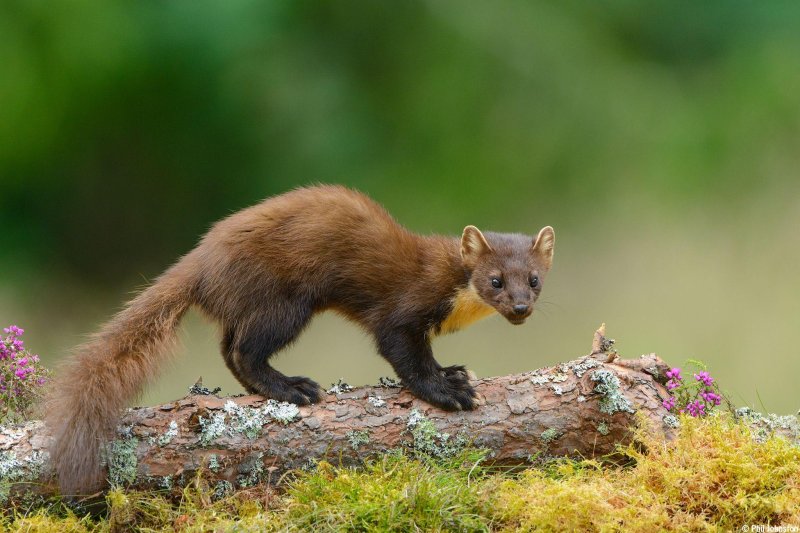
[508, 269]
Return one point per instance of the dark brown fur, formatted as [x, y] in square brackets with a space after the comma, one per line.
[262, 273]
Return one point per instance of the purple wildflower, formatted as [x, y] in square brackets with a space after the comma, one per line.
[696, 408]
[669, 403]
[21, 376]
[14, 331]
[711, 397]
[674, 373]
[705, 378]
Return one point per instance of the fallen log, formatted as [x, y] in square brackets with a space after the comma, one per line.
[582, 408]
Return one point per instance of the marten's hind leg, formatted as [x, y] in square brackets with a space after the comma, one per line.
[227, 347]
[264, 334]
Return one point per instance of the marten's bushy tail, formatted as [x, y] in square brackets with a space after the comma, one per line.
[110, 370]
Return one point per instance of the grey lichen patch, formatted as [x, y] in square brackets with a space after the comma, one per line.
[252, 471]
[543, 379]
[549, 435]
[357, 438]
[671, 421]
[613, 401]
[340, 387]
[581, 368]
[11, 433]
[429, 441]
[165, 482]
[14, 470]
[213, 463]
[222, 489]
[557, 390]
[211, 428]
[602, 428]
[169, 434]
[764, 425]
[540, 380]
[376, 401]
[283, 412]
[581, 398]
[245, 420]
[122, 461]
[389, 383]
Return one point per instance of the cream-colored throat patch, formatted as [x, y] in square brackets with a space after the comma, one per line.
[468, 307]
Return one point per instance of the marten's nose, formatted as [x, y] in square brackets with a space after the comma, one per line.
[520, 309]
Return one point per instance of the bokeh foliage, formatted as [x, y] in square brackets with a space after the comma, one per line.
[127, 128]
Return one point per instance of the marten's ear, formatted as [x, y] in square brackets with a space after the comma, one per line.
[473, 245]
[543, 246]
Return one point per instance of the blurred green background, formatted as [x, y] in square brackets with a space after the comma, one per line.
[660, 139]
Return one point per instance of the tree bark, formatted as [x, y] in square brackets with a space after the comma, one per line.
[582, 408]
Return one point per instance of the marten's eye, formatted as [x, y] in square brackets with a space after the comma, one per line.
[497, 283]
[534, 281]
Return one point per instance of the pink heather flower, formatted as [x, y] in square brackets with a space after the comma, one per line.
[696, 408]
[14, 331]
[23, 361]
[20, 373]
[669, 403]
[672, 384]
[705, 378]
[675, 374]
[711, 397]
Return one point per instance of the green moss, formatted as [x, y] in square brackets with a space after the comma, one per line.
[394, 493]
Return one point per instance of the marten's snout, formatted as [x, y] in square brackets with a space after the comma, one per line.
[521, 309]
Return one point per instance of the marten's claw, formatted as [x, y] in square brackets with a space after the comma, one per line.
[449, 390]
[303, 391]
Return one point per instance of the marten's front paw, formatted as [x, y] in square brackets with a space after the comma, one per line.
[450, 390]
[297, 390]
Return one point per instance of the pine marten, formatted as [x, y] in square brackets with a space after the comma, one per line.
[263, 272]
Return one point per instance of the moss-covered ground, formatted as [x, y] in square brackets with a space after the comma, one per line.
[714, 477]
